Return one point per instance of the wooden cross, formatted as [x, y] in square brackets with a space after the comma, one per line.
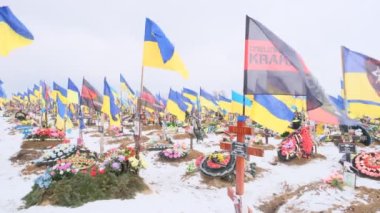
[241, 130]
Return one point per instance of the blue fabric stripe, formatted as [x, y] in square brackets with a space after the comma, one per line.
[339, 102]
[275, 107]
[176, 97]
[364, 102]
[224, 99]
[154, 33]
[61, 108]
[189, 91]
[59, 89]
[123, 81]
[11, 20]
[353, 61]
[208, 96]
[108, 92]
[72, 86]
[236, 97]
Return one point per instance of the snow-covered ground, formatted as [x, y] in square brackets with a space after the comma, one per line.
[170, 192]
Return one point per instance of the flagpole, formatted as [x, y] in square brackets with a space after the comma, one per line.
[139, 114]
[344, 82]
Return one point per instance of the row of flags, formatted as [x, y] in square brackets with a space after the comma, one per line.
[274, 76]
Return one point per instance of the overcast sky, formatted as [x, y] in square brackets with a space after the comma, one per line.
[93, 38]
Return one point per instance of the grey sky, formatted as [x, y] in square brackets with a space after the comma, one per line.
[95, 38]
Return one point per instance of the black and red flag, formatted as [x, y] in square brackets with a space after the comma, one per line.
[147, 99]
[272, 67]
[90, 96]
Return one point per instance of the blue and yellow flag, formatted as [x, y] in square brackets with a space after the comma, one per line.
[2, 92]
[224, 104]
[159, 52]
[32, 98]
[176, 106]
[61, 116]
[362, 84]
[190, 94]
[237, 101]
[125, 87]
[37, 91]
[207, 100]
[60, 92]
[13, 34]
[272, 113]
[73, 95]
[109, 106]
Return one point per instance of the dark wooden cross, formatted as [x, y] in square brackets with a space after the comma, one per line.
[241, 130]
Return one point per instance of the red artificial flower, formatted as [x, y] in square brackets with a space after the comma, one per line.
[198, 161]
[102, 171]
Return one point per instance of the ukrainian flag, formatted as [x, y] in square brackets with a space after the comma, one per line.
[208, 101]
[362, 84]
[61, 116]
[237, 103]
[293, 102]
[176, 106]
[271, 113]
[188, 102]
[190, 94]
[37, 91]
[13, 34]
[159, 52]
[125, 87]
[109, 106]
[224, 104]
[60, 92]
[2, 94]
[72, 93]
[32, 98]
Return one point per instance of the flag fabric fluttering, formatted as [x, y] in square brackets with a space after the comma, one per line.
[109, 106]
[361, 84]
[148, 101]
[176, 106]
[60, 92]
[125, 87]
[72, 93]
[13, 33]
[62, 121]
[3, 96]
[207, 100]
[44, 93]
[190, 94]
[224, 104]
[159, 52]
[271, 112]
[90, 97]
[237, 103]
[37, 91]
[2, 92]
[338, 101]
[272, 67]
[32, 98]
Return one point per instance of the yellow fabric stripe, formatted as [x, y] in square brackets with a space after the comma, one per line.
[10, 40]
[173, 108]
[358, 110]
[152, 58]
[358, 87]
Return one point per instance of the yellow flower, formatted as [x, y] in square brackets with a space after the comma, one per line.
[134, 162]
